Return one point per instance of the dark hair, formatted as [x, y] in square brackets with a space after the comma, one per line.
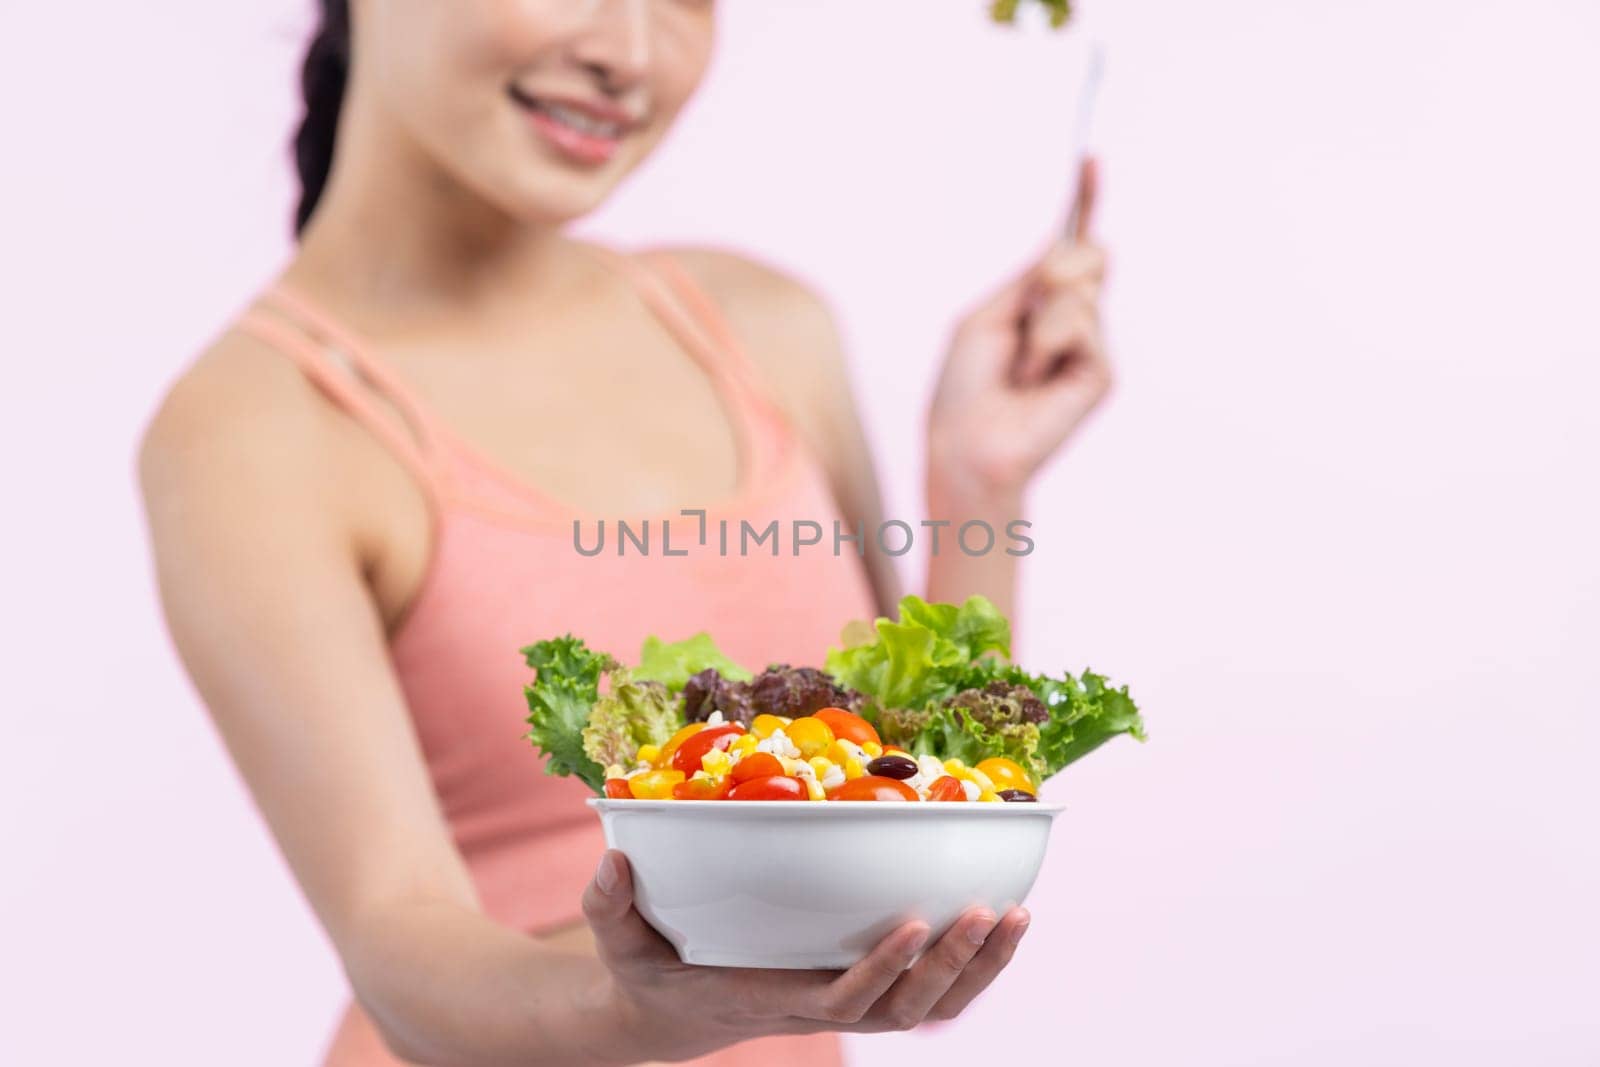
[322, 82]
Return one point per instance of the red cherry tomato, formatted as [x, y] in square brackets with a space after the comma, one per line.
[873, 787]
[687, 758]
[757, 765]
[848, 726]
[702, 789]
[617, 789]
[946, 788]
[773, 787]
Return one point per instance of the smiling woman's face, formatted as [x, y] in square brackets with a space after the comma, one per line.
[539, 107]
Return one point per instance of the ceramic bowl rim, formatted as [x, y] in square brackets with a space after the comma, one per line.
[835, 808]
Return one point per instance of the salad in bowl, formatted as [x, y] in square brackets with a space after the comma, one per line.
[927, 707]
[909, 763]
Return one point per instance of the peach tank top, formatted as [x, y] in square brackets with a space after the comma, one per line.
[504, 572]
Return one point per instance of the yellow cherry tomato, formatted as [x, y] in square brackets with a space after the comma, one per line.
[654, 785]
[810, 735]
[763, 725]
[1007, 774]
[671, 747]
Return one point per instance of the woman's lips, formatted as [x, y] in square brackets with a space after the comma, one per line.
[583, 146]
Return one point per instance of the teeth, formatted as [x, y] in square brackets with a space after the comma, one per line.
[581, 122]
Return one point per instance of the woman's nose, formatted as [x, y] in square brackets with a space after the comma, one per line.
[614, 36]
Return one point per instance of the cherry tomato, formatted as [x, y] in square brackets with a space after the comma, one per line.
[773, 787]
[687, 758]
[763, 725]
[617, 789]
[810, 735]
[873, 787]
[702, 789]
[668, 750]
[848, 726]
[946, 789]
[757, 765]
[654, 785]
[1007, 774]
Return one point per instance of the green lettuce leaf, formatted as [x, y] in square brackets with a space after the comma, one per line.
[926, 656]
[1006, 11]
[564, 691]
[916, 665]
[951, 732]
[632, 714]
[673, 664]
[1084, 714]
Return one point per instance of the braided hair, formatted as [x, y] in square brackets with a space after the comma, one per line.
[322, 83]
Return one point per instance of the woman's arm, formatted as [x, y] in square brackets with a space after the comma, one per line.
[263, 588]
[1025, 368]
[254, 502]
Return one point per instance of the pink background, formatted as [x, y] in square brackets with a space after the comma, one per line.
[1339, 525]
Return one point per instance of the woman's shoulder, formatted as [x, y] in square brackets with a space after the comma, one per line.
[238, 413]
[787, 326]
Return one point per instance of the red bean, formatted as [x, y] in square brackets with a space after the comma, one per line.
[893, 766]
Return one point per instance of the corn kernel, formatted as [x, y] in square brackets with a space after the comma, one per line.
[744, 744]
[649, 753]
[814, 790]
[988, 796]
[838, 753]
[716, 763]
[853, 769]
[820, 766]
[873, 749]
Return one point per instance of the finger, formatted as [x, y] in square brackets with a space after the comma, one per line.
[848, 998]
[985, 966]
[1079, 266]
[915, 994]
[1003, 307]
[1088, 194]
[1064, 333]
[622, 938]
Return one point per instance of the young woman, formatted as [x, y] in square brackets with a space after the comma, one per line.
[362, 503]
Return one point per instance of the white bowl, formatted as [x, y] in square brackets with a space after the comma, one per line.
[808, 885]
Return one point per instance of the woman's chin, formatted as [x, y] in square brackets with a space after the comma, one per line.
[552, 198]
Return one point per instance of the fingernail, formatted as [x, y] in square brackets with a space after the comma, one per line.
[914, 945]
[978, 930]
[606, 877]
[1022, 928]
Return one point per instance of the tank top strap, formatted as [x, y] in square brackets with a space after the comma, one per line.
[343, 371]
[667, 283]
